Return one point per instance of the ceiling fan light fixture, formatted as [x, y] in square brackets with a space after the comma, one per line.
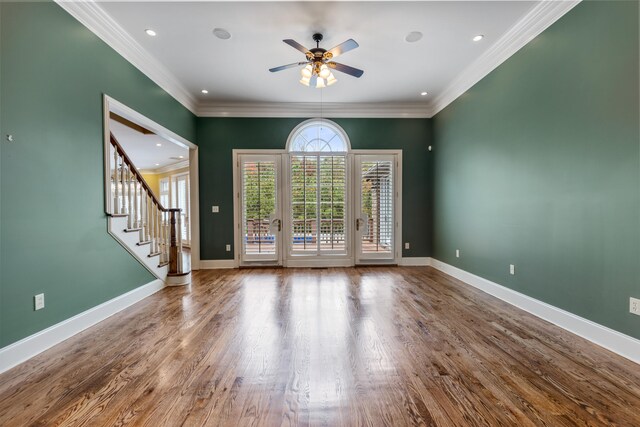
[307, 72]
[320, 83]
[305, 80]
[324, 71]
[331, 80]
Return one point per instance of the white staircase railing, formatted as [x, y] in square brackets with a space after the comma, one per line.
[157, 226]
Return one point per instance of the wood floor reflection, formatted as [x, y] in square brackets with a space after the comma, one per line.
[356, 346]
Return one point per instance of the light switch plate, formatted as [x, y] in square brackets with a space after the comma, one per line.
[406, 245]
[457, 253]
[228, 248]
[634, 306]
[512, 269]
[38, 301]
[215, 209]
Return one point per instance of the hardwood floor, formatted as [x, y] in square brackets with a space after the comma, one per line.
[356, 346]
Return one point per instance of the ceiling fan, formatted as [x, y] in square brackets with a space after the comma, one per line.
[319, 63]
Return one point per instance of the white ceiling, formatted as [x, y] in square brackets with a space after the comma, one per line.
[236, 70]
[143, 150]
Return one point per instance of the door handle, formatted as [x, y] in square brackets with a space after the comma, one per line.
[357, 224]
[279, 223]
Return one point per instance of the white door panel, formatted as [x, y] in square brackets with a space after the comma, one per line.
[375, 204]
[261, 222]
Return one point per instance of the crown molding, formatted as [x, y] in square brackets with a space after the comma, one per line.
[92, 16]
[538, 19]
[313, 109]
[172, 167]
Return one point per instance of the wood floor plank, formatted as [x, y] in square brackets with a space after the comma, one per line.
[366, 346]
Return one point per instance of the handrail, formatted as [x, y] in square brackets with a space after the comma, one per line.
[133, 169]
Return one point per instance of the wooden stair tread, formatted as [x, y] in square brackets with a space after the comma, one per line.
[162, 264]
[118, 215]
[151, 255]
[131, 230]
[144, 242]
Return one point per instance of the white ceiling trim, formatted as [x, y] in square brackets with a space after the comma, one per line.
[92, 16]
[313, 109]
[169, 168]
[541, 17]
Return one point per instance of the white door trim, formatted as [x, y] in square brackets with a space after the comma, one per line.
[111, 104]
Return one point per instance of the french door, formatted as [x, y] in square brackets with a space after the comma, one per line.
[317, 209]
[375, 202]
[261, 222]
[180, 196]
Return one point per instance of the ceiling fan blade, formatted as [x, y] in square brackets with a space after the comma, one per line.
[343, 47]
[284, 67]
[355, 72]
[294, 44]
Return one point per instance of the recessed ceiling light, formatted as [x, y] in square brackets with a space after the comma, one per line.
[478, 38]
[157, 164]
[150, 32]
[424, 93]
[158, 145]
[221, 33]
[205, 91]
[181, 157]
[413, 36]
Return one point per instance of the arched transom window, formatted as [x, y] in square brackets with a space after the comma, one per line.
[316, 136]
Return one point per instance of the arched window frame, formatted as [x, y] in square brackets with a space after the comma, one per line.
[318, 122]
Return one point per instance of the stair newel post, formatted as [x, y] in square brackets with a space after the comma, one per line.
[114, 178]
[179, 234]
[156, 229]
[174, 254]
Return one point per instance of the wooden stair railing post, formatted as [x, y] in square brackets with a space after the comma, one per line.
[175, 254]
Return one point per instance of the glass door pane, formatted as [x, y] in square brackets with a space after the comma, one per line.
[261, 223]
[304, 201]
[181, 196]
[375, 218]
[333, 186]
[318, 204]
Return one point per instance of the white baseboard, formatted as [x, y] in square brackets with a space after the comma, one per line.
[615, 341]
[26, 348]
[415, 261]
[210, 264]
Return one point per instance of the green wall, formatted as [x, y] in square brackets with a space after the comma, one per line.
[539, 165]
[54, 231]
[217, 137]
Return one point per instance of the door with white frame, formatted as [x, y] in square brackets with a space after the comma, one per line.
[259, 200]
[180, 200]
[376, 208]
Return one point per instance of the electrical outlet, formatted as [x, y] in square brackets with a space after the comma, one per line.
[215, 209]
[406, 245]
[634, 306]
[228, 248]
[512, 269]
[457, 253]
[38, 301]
